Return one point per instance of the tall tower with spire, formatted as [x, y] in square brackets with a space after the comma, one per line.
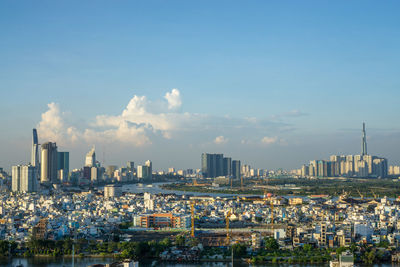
[35, 150]
[364, 141]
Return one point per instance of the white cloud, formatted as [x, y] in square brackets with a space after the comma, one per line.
[52, 127]
[289, 114]
[269, 140]
[173, 98]
[140, 123]
[220, 140]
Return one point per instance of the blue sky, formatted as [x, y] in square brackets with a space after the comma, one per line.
[302, 76]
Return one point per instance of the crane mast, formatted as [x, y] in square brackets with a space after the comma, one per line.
[192, 217]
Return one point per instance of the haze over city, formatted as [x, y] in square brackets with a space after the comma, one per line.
[273, 84]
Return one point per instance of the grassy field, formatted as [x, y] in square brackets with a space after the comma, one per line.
[305, 187]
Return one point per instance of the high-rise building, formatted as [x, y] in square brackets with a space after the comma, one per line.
[227, 171]
[304, 170]
[110, 170]
[212, 165]
[24, 178]
[143, 172]
[380, 167]
[205, 164]
[94, 174]
[49, 163]
[236, 169]
[148, 201]
[364, 142]
[111, 191]
[63, 165]
[219, 164]
[130, 166]
[35, 150]
[149, 165]
[90, 159]
[16, 178]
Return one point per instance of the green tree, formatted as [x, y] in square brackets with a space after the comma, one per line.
[166, 242]
[307, 247]
[239, 250]
[180, 240]
[271, 244]
[369, 257]
[340, 250]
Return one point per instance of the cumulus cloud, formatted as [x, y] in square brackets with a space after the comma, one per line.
[269, 140]
[52, 127]
[173, 98]
[220, 140]
[140, 123]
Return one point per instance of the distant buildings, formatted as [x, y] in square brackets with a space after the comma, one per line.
[130, 165]
[48, 172]
[215, 165]
[363, 165]
[347, 166]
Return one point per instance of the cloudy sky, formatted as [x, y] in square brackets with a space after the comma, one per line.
[272, 83]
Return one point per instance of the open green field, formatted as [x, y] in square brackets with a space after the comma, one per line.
[305, 187]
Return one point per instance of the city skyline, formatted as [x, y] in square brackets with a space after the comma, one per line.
[273, 84]
[221, 165]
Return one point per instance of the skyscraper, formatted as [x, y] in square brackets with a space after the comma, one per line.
[212, 165]
[49, 163]
[219, 164]
[149, 166]
[143, 172]
[63, 165]
[364, 142]
[24, 178]
[16, 181]
[227, 167]
[35, 150]
[236, 169]
[90, 160]
[130, 166]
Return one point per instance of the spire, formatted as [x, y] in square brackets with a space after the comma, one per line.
[364, 141]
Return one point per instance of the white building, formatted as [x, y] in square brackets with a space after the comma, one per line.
[148, 202]
[111, 191]
[24, 178]
[90, 159]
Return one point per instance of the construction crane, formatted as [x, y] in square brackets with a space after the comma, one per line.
[228, 235]
[361, 195]
[272, 211]
[192, 215]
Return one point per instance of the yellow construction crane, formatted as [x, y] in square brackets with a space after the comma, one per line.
[192, 215]
[272, 211]
[228, 235]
